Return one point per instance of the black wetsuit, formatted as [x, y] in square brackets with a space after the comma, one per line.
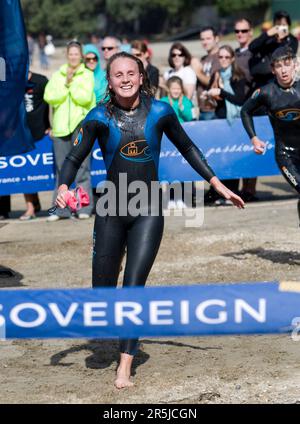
[130, 144]
[283, 106]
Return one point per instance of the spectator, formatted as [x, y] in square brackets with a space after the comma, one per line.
[244, 33]
[182, 106]
[139, 49]
[92, 62]
[263, 47]
[110, 46]
[228, 88]
[44, 63]
[96, 41]
[49, 47]
[31, 46]
[4, 207]
[180, 60]
[70, 92]
[38, 122]
[184, 110]
[205, 68]
[150, 51]
[125, 45]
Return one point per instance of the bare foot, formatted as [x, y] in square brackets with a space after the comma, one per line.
[124, 372]
[123, 379]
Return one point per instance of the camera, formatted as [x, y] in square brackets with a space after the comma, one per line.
[283, 28]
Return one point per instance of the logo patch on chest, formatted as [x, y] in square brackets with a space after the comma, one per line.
[288, 114]
[136, 151]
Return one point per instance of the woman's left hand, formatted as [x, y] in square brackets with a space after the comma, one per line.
[226, 193]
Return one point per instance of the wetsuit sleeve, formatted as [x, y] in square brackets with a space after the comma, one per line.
[176, 134]
[82, 146]
[257, 100]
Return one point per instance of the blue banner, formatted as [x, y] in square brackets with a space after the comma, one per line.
[15, 136]
[227, 149]
[242, 308]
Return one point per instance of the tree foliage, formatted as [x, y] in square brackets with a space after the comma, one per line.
[129, 10]
[229, 6]
[64, 18]
[69, 18]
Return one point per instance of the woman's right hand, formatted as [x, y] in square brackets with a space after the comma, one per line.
[259, 145]
[214, 92]
[60, 198]
[226, 193]
[70, 74]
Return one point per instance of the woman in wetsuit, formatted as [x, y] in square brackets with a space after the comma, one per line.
[281, 98]
[129, 127]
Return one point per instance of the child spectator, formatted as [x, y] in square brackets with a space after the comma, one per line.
[182, 106]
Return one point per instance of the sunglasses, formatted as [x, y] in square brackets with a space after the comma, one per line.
[225, 57]
[107, 48]
[243, 31]
[91, 59]
[138, 54]
[177, 54]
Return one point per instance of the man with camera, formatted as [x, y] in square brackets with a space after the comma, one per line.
[263, 47]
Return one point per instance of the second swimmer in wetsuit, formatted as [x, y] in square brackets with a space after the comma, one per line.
[129, 128]
[282, 101]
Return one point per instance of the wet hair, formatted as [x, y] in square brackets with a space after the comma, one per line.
[209, 28]
[145, 88]
[176, 80]
[139, 45]
[237, 72]
[187, 55]
[282, 53]
[280, 14]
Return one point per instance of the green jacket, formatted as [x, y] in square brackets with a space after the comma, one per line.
[185, 112]
[70, 104]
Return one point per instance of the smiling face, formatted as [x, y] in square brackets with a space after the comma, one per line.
[178, 58]
[125, 79]
[208, 40]
[175, 90]
[109, 47]
[243, 33]
[91, 61]
[74, 56]
[225, 58]
[284, 71]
